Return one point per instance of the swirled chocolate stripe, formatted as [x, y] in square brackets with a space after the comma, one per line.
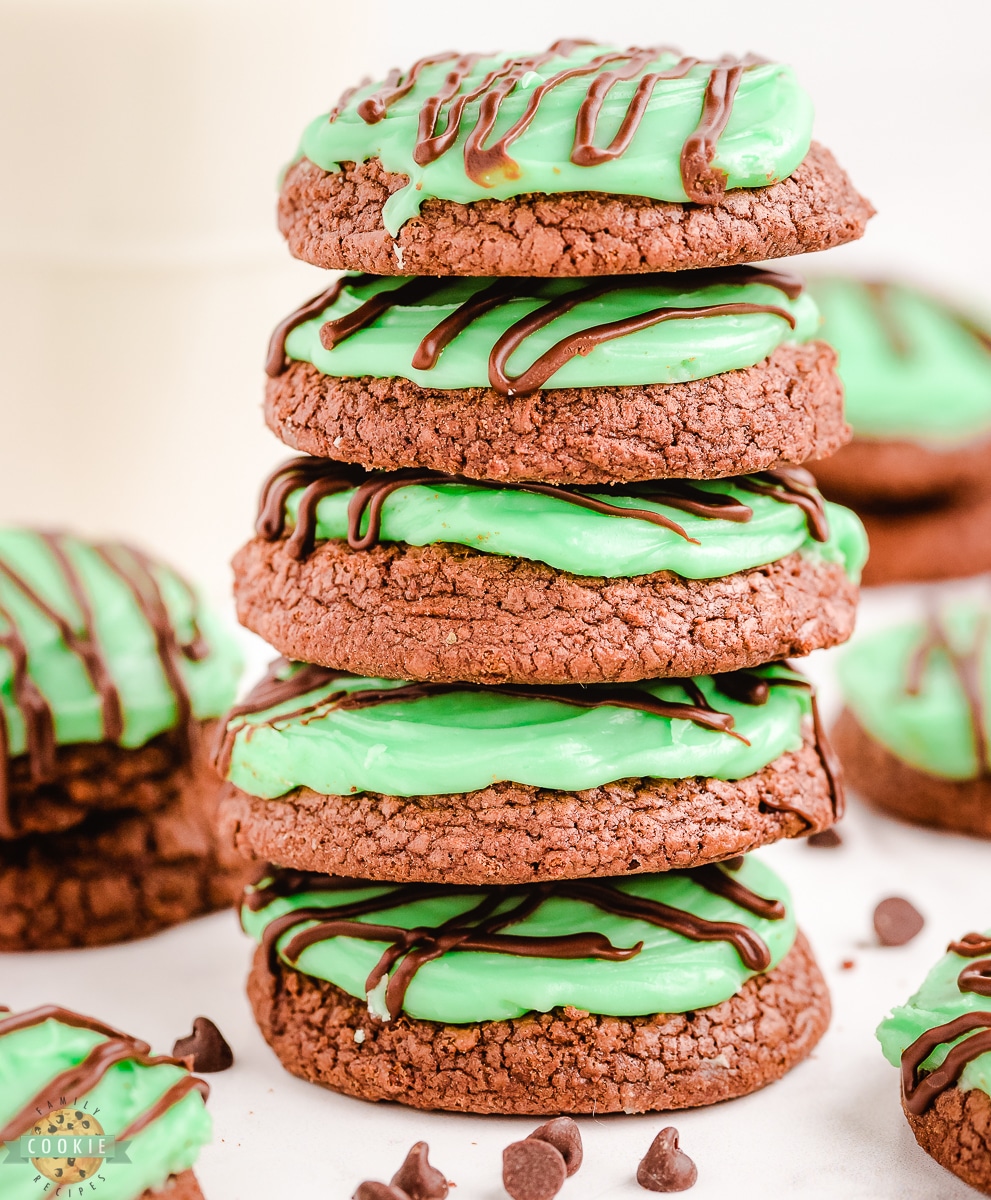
[442, 114]
[899, 340]
[83, 1077]
[480, 929]
[966, 665]
[324, 477]
[504, 291]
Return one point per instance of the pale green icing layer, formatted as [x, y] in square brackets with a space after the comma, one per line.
[673, 351]
[767, 136]
[31, 1058]
[931, 730]
[671, 974]
[463, 741]
[938, 1000]
[936, 388]
[547, 529]
[124, 637]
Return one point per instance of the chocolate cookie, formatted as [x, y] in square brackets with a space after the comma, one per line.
[917, 544]
[941, 1040]
[697, 375]
[121, 875]
[109, 667]
[664, 578]
[917, 380]
[311, 755]
[148, 1108]
[736, 1029]
[914, 736]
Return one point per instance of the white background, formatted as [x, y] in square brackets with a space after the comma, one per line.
[139, 276]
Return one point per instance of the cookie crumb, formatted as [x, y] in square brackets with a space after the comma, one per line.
[417, 1179]
[206, 1048]
[665, 1167]
[562, 1133]
[897, 921]
[359, 1036]
[533, 1170]
[847, 964]
[825, 839]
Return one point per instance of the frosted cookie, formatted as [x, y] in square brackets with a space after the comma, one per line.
[941, 1040]
[66, 1076]
[710, 163]
[618, 995]
[699, 375]
[455, 784]
[413, 575]
[914, 735]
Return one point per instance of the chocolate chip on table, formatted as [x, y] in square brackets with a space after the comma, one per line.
[206, 1046]
[563, 1134]
[532, 1170]
[665, 1167]
[417, 1179]
[373, 1190]
[825, 839]
[897, 921]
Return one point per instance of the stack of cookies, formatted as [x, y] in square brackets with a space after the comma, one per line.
[535, 579]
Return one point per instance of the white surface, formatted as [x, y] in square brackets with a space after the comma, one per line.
[832, 1128]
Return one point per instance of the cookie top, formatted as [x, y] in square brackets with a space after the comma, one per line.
[618, 947]
[942, 1036]
[59, 1069]
[921, 690]
[699, 530]
[518, 335]
[305, 726]
[913, 367]
[575, 117]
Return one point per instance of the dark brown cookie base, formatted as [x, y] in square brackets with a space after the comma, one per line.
[334, 219]
[510, 833]
[786, 409]
[101, 777]
[565, 1061]
[946, 541]
[871, 472]
[878, 776]
[119, 876]
[956, 1132]
[447, 613]
[179, 1187]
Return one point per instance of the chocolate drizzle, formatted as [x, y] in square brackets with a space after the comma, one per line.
[320, 477]
[84, 1076]
[441, 114]
[897, 336]
[504, 291]
[481, 928]
[79, 635]
[971, 945]
[278, 688]
[967, 666]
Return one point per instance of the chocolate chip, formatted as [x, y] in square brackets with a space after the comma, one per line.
[564, 1135]
[532, 1170]
[897, 921]
[371, 1189]
[206, 1047]
[417, 1178]
[666, 1168]
[825, 839]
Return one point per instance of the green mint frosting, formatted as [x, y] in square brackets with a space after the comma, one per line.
[933, 729]
[32, 1058]
[767, 136]
[547, 529]
[671, 974]
[671, 352]
[125, 640]
[938, 1000]
[463, 741]
[910, 368]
